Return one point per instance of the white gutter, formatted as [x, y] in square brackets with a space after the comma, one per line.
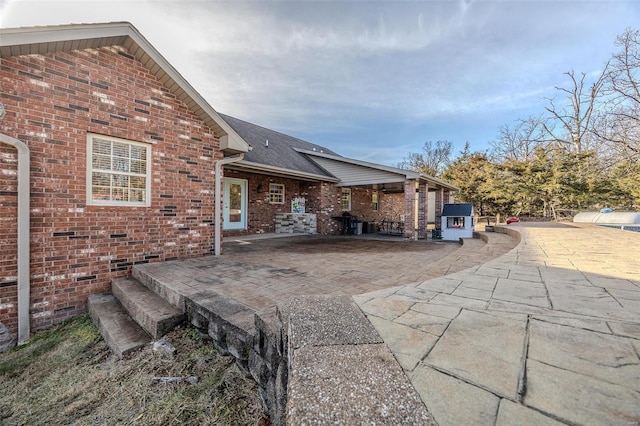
[273, 170]
[23, 235]
[218, 200]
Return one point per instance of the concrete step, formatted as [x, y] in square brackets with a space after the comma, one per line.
[153, 313]
[122, 334]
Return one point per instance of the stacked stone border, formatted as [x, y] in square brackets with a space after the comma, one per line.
[256, 341]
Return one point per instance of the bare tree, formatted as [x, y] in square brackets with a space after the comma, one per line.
[433, 159]
[621, 124]
[518, 142]
[570, 125]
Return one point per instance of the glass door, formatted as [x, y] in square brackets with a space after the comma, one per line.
[235, 204]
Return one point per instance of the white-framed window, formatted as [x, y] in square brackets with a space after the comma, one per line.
[276, 193]
[374, 201]
[345, 199]
[455, 222]
[118, 172]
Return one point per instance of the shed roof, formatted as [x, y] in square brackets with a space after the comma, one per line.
[59, 38]
[458, 210]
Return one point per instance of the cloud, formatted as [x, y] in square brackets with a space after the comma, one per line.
[340, 71]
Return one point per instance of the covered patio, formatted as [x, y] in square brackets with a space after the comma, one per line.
[400, 202]
[284, 182]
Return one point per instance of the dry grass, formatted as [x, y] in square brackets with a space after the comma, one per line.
[66, 375]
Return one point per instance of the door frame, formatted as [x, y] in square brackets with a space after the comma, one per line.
[227, 225]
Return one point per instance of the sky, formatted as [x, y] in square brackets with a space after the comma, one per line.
[371, 80]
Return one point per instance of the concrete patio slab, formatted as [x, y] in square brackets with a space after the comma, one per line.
[578, 399]
[548, 333]
[493, 354]
[511, 413]
[452, 401]
[408, 344]
[602, 356]
[327, 321]
[351, 385]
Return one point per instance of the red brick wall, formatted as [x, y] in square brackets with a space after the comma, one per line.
[391, 206]
[52, 102]
[327, 200]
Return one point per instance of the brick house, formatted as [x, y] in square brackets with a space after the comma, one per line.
[280, 169]
[109, 158]
[122, 164]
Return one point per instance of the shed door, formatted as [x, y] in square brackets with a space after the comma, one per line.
[235, 204]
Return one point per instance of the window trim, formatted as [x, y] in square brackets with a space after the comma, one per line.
[90, 170]
[271, 194]
[453, 222]
[347, 199]
[375, 201]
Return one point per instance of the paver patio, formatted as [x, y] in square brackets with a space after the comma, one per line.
[259, 272]
[545, 333]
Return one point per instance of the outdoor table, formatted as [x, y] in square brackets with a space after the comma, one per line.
[393, 227]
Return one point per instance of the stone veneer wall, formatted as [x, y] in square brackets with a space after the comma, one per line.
[289, 223]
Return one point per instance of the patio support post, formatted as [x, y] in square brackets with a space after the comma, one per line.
[439, 206]
[423, 209]
[218, 200]
[410, 209]
[24, 237]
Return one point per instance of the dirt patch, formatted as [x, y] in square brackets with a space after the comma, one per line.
[66, 375]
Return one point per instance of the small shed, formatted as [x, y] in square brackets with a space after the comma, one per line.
[457, 221]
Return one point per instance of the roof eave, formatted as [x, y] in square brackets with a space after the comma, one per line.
[407, 173]
[439, 182]
[279, 171]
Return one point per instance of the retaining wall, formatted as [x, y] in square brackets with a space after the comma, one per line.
[258, 343]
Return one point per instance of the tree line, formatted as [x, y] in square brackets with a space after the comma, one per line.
[581, 153]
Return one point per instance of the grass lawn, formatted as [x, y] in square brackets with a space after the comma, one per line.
[67, 375]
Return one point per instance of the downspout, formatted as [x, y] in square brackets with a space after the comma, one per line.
[218, 200]
[23, 235]
[416, 210]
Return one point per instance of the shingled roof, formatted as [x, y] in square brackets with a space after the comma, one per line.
[277, 150]
[283, 155]
[458, 210]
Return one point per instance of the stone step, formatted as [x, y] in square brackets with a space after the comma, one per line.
[153, 313]
[122, 334]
